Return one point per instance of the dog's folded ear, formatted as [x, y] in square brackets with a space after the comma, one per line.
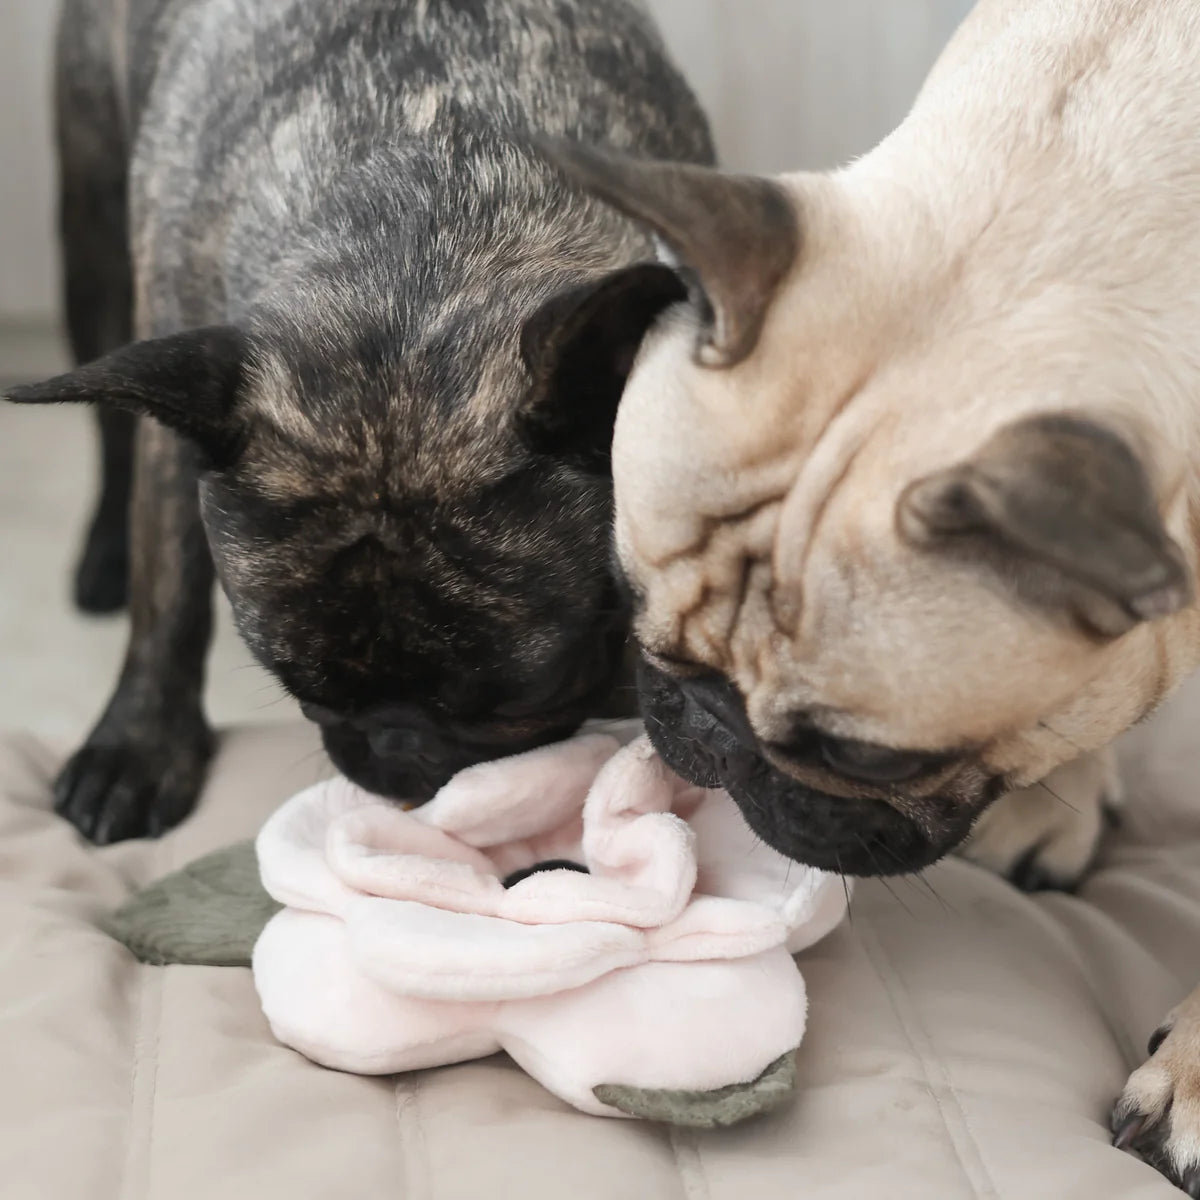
[579, 347]
[1066, 511]
[737, 235]
[188, 381]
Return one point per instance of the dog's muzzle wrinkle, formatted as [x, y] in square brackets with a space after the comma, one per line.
[716, 705]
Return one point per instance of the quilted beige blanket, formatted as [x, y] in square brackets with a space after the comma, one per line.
[961, 1045]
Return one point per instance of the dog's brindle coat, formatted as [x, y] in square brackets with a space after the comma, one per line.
[382, 346]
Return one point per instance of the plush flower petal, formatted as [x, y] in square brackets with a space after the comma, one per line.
[428, 952]
[318, 1002]
[291, 846]
[563, 842]
[633, 837]
[383, 851]
[631, 975]
[686, 1026]
[735, 862]
[816, 908]
[713, 927]
[524, 796]
[558, 897]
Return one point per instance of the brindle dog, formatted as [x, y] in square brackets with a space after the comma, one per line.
[382, 348]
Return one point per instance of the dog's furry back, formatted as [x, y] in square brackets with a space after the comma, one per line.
[283, 102]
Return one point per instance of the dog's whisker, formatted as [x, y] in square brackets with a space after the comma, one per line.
[1062, 737]
[318, 759]
[1061, 799]
[881, 877]
[914, 878]
[895, 895]
[924, 879]
[845, 889]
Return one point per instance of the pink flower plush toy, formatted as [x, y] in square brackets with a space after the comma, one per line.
[578, 906]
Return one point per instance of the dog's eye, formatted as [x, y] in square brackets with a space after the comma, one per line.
[873, 764]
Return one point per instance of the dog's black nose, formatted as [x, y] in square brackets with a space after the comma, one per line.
[405, 744]
[722, 702]
[390, 760]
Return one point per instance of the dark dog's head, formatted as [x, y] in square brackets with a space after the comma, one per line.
[410, 511]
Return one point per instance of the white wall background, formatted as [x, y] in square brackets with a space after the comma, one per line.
[788, 83]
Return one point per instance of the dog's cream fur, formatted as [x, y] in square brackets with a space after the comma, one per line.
[1027, 242]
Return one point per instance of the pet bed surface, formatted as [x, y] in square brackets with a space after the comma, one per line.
[967, 1045]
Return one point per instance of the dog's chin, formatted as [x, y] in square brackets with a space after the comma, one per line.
[441, 752]
[850, 836]
[411, 781]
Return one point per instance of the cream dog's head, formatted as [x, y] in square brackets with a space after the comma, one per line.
[902, 500]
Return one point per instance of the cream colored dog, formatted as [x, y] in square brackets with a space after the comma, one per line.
[907, 496]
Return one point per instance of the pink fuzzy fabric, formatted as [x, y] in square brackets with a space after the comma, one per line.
[668, 965]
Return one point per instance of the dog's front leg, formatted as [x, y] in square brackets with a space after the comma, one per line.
[1046, 836]
[1158, 1114]
[142, 766]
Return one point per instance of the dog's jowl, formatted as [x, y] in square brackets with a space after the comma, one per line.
[379, 345]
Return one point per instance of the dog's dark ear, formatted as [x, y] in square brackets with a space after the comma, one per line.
[188, 381]
[1067, 508]
[738, 235]
[579, 347]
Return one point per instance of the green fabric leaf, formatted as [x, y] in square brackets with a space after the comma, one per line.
[706, 1110]
[208, 914]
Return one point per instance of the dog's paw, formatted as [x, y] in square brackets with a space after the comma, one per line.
[1158, 1114]
[1045, 837]
[137, 781]
[102, 573]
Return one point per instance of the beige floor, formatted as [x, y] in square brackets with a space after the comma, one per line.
[56, 667]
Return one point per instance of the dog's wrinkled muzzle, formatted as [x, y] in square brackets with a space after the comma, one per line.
[700, 729]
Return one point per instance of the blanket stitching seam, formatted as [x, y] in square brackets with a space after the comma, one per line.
[688, 1164]
[1071, 950]
[412, 1137]
[152, 1104]
[146, 977]
[134, 1069]
[892, 982]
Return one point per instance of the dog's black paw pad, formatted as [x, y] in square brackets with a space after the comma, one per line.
[115, 792]
[102, 574]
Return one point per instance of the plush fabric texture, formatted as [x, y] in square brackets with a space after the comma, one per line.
[963, 1045]
[213, 911]
[666, 965]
